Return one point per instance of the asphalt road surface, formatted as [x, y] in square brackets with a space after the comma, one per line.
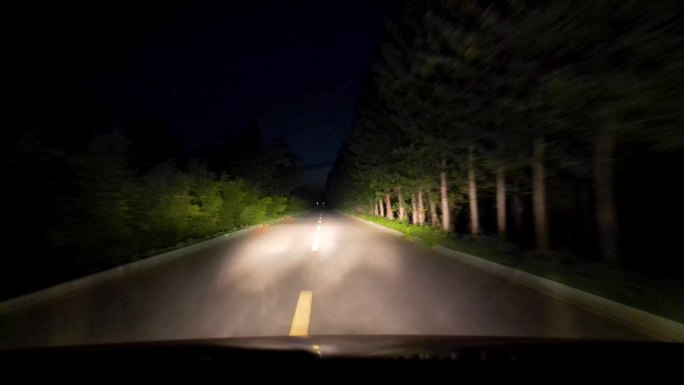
[321, 273]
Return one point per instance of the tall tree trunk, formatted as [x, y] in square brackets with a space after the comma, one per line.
[518, 215]
[472, 195]
[421, 208]
[541, 227]
[434, 219]
[400, 198]
[501, 200]
[389, 212]
[375, 208]
[382, 210]
[444, 196]
[414, 210]
[605, 194]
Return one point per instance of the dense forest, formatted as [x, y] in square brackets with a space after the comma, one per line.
[553, 125]
[126, 193]
[96, 170]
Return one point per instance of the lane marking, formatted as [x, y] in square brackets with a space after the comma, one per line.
[316, 242]
[302, 314]
[319, 221]
[318, 228]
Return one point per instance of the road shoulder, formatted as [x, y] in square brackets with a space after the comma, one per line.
[643, 321]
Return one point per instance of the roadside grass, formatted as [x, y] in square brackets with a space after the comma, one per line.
[427, 235]
[657, 295]
[193, 240]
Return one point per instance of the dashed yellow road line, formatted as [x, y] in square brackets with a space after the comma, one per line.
[302, 314]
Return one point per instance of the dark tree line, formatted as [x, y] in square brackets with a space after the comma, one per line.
[92, 174]
[126, 193]
[552, 124]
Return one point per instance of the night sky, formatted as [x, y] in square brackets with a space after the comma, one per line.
[204, 68]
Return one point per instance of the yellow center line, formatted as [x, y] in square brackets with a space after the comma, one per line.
[302, 314]
[316, 243]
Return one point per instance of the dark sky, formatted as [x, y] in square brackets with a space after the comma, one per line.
[206, 67]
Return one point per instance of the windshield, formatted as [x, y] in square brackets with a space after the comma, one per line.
[214, 169]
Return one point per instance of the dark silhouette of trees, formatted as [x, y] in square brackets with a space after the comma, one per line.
[519, 117]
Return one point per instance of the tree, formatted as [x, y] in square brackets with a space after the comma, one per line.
[518, 100]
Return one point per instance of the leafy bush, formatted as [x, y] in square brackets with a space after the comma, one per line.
[119, 213]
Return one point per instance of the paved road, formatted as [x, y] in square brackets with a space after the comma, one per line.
[271, 283]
